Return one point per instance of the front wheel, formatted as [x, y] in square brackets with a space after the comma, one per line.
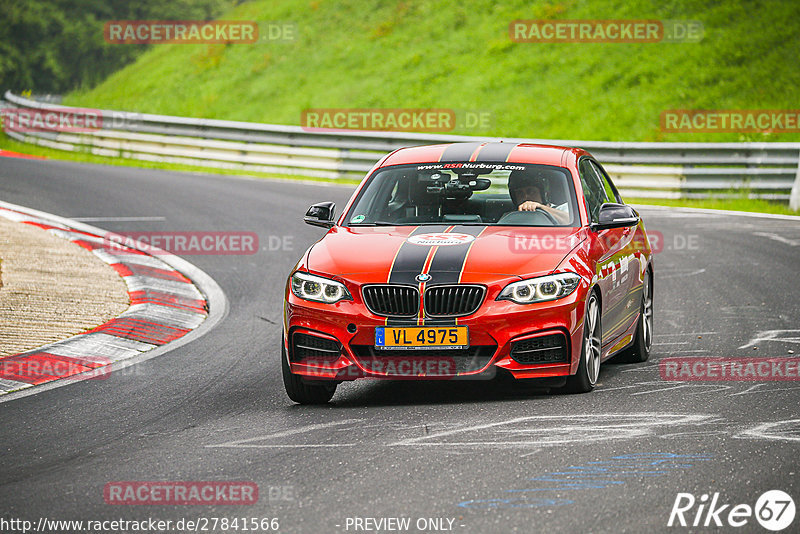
[589, 367]
[639, 351]
[301, 392]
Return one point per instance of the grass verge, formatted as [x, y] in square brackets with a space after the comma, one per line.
[460, 56]
[732, 204]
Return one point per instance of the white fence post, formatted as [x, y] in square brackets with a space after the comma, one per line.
[794, 198]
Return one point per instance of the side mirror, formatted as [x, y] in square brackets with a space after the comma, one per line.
[321, 215]
[615, 216]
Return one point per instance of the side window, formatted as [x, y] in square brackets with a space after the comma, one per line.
[392, 199]
[593, 191]
[611, 191]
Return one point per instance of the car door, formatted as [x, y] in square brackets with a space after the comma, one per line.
[606, 249]
[628, 264]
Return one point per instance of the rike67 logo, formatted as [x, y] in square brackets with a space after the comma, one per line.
[774, 510]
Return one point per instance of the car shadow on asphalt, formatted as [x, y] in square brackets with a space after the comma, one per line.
[364, 393]
[375, 393]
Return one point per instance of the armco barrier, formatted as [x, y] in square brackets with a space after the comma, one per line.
[667, 170]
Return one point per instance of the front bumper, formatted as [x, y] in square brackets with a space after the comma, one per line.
[492, 331]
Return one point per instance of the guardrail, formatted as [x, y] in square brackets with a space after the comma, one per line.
[666, 170]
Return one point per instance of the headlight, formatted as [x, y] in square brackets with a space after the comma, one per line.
[310, 287]
[544, 288]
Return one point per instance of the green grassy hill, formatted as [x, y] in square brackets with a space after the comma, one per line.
[445, 54]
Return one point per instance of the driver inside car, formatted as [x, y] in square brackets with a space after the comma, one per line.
[531, 193]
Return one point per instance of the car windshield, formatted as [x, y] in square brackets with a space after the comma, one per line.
[489, 194]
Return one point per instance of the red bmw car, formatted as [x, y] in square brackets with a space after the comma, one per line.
[457, 261]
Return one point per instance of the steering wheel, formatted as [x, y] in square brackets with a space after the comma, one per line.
[549, 216]
[526, 217]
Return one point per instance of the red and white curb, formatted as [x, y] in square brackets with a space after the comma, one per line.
[19, 155]
[171, 303]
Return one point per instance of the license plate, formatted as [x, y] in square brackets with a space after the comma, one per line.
[422, 337]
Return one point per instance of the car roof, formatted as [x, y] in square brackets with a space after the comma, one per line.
[486, 152]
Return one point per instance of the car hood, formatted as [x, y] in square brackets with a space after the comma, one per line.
[448, 254]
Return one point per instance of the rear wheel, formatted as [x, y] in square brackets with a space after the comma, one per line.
[300, 391]
[639, 351]
[589, 366]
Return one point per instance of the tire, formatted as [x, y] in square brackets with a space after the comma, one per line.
[589, 366]
[639, 351]
[298, 390]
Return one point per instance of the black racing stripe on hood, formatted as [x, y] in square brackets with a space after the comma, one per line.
[411, 258]
[448, 261]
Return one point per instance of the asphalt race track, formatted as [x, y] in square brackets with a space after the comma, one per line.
[472, 456]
